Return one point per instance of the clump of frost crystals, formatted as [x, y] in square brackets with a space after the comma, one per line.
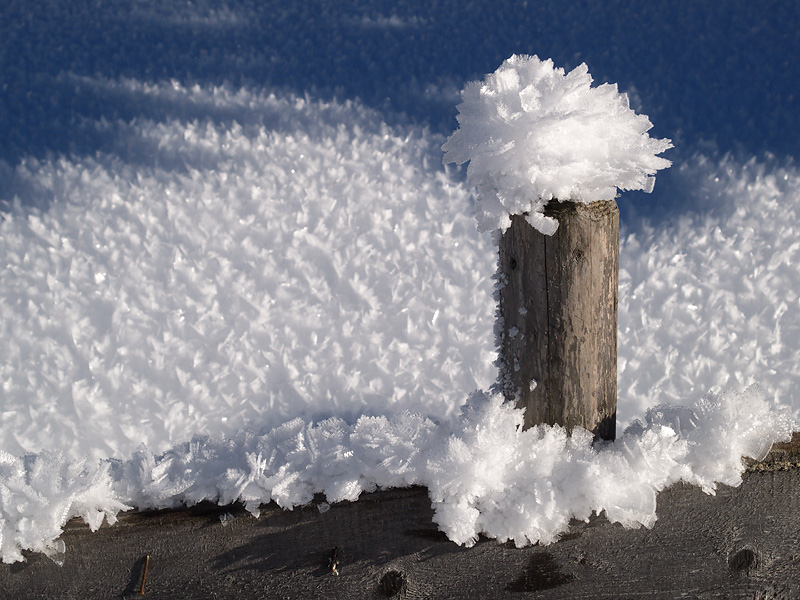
[492, 477]
[484, 473]
[532, 134]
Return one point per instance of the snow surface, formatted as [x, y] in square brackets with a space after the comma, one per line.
[712, 300]
[312, 263]
[533, 134]
[135, 350]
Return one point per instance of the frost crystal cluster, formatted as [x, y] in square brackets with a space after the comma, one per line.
[484, 474]
[532, 134]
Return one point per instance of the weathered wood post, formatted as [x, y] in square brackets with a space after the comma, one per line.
[558, 304]
[532, 134]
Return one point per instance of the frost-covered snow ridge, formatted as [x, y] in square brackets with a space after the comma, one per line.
[197, 277]
[485, 475]
[711, 300]
[532, 133]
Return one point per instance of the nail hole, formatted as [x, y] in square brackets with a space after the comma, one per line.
[542, 573]
[513, 263]
[392, 584]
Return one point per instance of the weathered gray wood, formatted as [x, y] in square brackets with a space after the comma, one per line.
[741, 543]
[558, 317]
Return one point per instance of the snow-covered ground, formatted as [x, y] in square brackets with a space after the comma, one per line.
[310, 263]
[218, 219]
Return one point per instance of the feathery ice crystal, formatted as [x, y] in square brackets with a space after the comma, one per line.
[532, 134]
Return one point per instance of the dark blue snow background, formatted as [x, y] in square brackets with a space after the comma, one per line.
[712, 76]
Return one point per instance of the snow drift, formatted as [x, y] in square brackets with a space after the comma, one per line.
[209, 275]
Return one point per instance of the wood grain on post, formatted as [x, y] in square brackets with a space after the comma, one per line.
[558, 308]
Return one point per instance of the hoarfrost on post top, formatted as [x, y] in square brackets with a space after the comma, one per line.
[532, 133]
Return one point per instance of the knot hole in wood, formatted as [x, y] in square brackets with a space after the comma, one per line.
[743, 560]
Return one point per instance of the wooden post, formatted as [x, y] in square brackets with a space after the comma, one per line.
[558, 309]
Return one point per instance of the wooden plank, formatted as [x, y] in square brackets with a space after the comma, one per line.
[741, 543]
[558, 309]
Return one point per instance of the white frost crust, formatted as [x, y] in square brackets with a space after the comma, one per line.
[200, 277]
[709, 300]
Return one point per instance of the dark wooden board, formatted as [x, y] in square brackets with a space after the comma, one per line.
[741, 543]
